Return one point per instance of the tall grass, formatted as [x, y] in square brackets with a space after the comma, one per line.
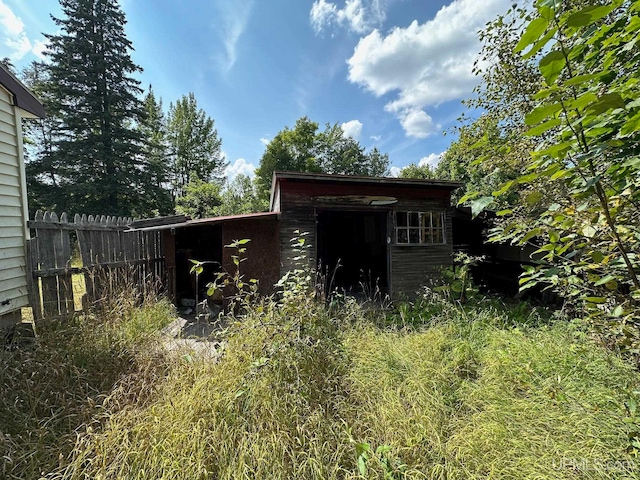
[307, 392]
[78, 370]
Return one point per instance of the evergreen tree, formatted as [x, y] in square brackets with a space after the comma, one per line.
[193, 144]
[91, 80]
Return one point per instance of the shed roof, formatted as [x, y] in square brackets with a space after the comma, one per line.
[213, 220]
[358, 180]
[22, 97]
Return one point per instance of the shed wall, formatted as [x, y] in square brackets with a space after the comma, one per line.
[411, 266]
[263, 252]
[13, 217]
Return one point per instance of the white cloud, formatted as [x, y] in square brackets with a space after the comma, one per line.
[39, 48]
[265, 141]
[352, 128]
[417, 123]
[11, 24]
[16, 38]
[359, 16]
[432, 160]
[376, 138]
[426, 64]
[395, 171]
[240, 166]
[234, 17]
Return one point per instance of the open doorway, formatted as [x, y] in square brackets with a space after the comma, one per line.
[204, 244]
[352, 251]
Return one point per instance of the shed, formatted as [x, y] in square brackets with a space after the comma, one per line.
[364, 234]
[392, 235]
[16, 103]
[204, 240]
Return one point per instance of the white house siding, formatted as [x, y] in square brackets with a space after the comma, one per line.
[13, 232]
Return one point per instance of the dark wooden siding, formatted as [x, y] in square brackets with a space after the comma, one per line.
[263, 256]
[297, 215]
[411, 266]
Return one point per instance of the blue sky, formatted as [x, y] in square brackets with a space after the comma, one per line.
[392, 72]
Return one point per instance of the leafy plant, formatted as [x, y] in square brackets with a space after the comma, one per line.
[458, 280]
[237, 291]
[587, 122]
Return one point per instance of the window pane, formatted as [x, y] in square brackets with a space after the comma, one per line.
[426, 219]
[401, 219]
[437, 236]
[402, 236]
[437, 220]
[413, 219]
[414, 235]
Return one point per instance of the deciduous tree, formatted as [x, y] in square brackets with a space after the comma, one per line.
[194, 145]
[305, 149]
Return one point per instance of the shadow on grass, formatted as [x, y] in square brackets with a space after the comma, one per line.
[63, 384]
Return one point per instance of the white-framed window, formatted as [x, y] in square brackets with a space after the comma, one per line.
[420, 228]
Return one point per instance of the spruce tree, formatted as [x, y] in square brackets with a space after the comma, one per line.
[91, 78]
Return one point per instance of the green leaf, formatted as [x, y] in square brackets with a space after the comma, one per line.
[541, 113]
[503, 189]
[588, 15]
[529, 177]
[631, 126]
[582, 101]
[540, 43]
[551, 4]
[533, 198]
[558, 150]
[530, 234]
[606, 102]
[532, 33]
[244, 241]
[477, 206]
[468, 196]
[594, 299]
[618, 311]
[603, 280]
[543, 127]
[503, 213]
[551, 66]
[362, 466]
[578, 79]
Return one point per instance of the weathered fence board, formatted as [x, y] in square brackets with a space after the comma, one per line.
[111, 256]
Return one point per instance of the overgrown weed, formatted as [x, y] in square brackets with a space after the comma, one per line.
[440, 390]
[79, 369]
[305, 391]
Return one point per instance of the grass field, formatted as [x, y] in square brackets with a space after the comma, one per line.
[431, 391]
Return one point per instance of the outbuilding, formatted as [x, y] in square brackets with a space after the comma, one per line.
[363, 235]
[371, 234]
[16, 103]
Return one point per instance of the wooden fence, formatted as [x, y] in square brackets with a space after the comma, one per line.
[111, 256]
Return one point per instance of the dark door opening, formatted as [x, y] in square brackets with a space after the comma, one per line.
[203, 244]
[352, 251]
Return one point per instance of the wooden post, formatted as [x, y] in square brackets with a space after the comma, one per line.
[63, 261]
